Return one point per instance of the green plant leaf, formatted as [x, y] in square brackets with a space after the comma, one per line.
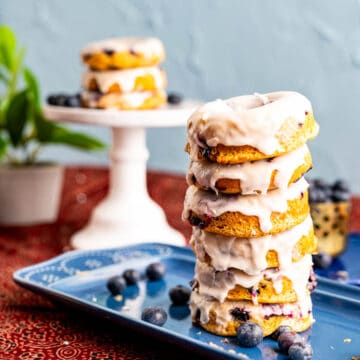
[61, 135]
[33, 86]
[3, 77]
[3, 145]
[50, 133]
[16, 115]
[7, 47]
[44, 128]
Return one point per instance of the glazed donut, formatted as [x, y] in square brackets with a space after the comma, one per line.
[256, 177]
[250, 215]
[274, 285]
[124, 81]
[225, 318]
[123, 53]
[129, 101]
[250, 127]
[253, 255]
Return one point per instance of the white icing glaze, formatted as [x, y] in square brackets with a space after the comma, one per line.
[248, 254]
[263, 98]
[254, 176]
[145, 46]
[133, 99]
[204, 304]
[208, 203]
[124, 78]
[245, 120]
[217, 284]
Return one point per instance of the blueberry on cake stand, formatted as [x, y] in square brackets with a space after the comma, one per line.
[127, 215]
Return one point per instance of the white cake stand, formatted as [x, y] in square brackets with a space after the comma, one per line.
[127, 215]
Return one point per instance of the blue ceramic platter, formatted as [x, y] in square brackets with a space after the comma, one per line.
[78, 279]
[348, 261]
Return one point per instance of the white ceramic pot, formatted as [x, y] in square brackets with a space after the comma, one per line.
[30, 194]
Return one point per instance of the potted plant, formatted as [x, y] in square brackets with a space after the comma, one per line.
[29, 189]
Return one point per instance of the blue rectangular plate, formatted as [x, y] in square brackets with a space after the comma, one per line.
[78, 278]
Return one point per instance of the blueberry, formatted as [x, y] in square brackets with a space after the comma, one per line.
[174, 98]
[200, 223]
[57, 100]
[321, 260]
[73, 101]
[340, 195]
[312, 280]
[286, 339]
[205, 152]
[281, 329]
[240, 314]
[155, 271]
[319, 195]
[300, 351]
[116, 285]
[179, 295]
[319, 183]
[341, 185]
[131, 276]
[52, 100]
[108, 52]
[249, 334]
[154, 315]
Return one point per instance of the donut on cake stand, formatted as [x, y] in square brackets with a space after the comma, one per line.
[127, 215]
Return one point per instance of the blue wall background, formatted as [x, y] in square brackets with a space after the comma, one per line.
[215, 49]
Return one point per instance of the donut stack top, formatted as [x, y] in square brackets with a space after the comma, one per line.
[124, 73]
[247, 201]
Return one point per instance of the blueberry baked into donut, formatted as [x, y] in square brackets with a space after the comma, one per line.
[247, 202]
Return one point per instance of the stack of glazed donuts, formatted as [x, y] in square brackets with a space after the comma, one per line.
[247, 201]
[124, 74]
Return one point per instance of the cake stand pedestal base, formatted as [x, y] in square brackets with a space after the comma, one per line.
[127, 215]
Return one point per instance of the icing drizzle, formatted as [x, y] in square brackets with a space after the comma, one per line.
[133, 99]
[254, 176]
[205, 304]
[124, 78]
[248, 254]
[145, 46]
[210, 204]
[252, 120]
[216, 284]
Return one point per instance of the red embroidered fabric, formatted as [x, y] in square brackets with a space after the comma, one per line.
[31, 327]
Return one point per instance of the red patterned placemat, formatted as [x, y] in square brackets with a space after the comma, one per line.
[34, 328]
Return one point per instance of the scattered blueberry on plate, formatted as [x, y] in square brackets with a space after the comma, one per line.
[155, 271]
[321, 260]
[286, 339]
[300, 351]
[249, 334]
[131, 276]
[116, 285]
[154, 315]
[281, 329]
[179, 295]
